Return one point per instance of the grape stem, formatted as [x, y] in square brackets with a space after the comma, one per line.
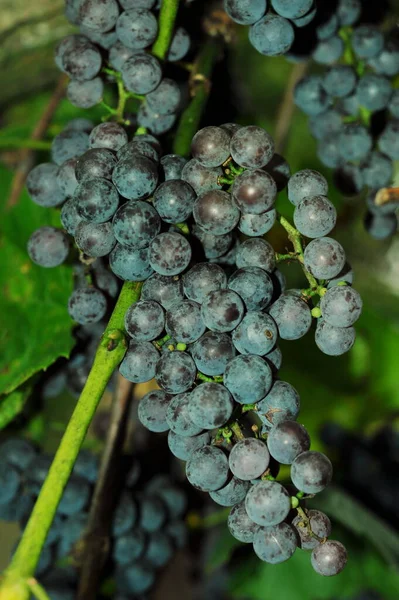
[123, 96]
[166, 23]
[296, 240]
[29, 144]
[109, 354]
[37, 590]
[306, 523]
[236, 429]
[200, 87]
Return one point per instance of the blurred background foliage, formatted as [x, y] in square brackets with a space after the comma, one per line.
[359, 391]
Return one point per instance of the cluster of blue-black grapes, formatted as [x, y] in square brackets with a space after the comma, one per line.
[147, 525]
[354, 112]
[212, 305]
[295, 27]
[116, 35]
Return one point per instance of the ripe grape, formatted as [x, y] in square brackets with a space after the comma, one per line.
[170, 253]
[215, 213]
[178, 416]
[240, 525]
[329, 558]
[292, 316]
[166, 290]
[210, 405]
[286, 440]
[207, 469]
[341, 306]
[311, 472]
[48, 247]
[202, 279]
[319, 524]
[135, 224]
[108, 135]
[315, 216]
[96, 199]
[96, 162]
[182, 447]
[211, 146]
[256, 252]
[137, 28]
[367, 41]
[272, 35]
[135, 178]
[324, 258]
[95, 239]
[249, 459]
[275, 544]
[212, 352]
[175, 372]
[245, 12]
[87, 305]
[202, 179]
[144, 320]
[222, 310]
[43, 187]
[332, 340]
[280, 404]
[267, 503]
[174, 200]
[232, 493]
[130, 265]
[252, 147]
[141, 73]
[140, 362]
[254, 191]
[244, 369]
[256, 334]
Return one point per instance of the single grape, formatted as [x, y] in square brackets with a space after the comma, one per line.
[341, 306]
[377, 170]
[172, 165]
[329, 152]
[75, 497]
[215, 213]
[256, 334]
[292, 316]
[66, 178]
[174, 200]
[165, 99]
[245, 12]
[324, 258]
[81, 61]
[275, 544]
[96, 162]
[240, 371]
[315, 216]
[178, 416]
[100, 17]
[252, 147]
[177, 531]
[135, 178]
[254, 191]
[137, 28]
[274, 359]
[10, 481]
[249, 459]
[310, 96]
[328, 27]
[85, 94]
[387, 61]
[179, 46]
[182, 446]
[167, 291]
[138, 147]
[95, 239]
[48, 247]
[367, 41]
[207, 469]
[125, 515]
[241, 527]
[348, 11]
[320, 525]
[202, 279]
[282, 403]
[96, 200]
[222, 310]
[286, 440]
[329, 558]
[210, 405]
[332, 340]
[43, 186]
[340, 81]
[141, 73]
[129, 547]
[325, 125]
[381, 227]
[256, 252]
[135, 224]
[87, 466]
[159, 549]
[130, 265]
[267, 503]
[232, 493]
[202, 179]
[211, 146]
[108, 135]
[17, 452]
[144, 320]
[212, 352]
[140, 362]
[213, 246]
[155, 122]
[389, 140]
[329, 51]
[257, 225]
[374, 91]
[170, 253]
[292, 9]
[306, 19]
[87, 305]
[175, 372]
[272, 35]
[311, 472]
[135, 578]
[184, 323]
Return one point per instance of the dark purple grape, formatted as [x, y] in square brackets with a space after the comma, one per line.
[215, 213]
[249, 459]
[211, 146]
[202, 279]
[96, 162]
[254, 191]
[222, 310]
[48, 247]
[311, 472]
[212, 352]
[87, 305]
[319, 524]
[329, 559]
[95, 239]
[135, 224]
[175, 372]
[207, 469]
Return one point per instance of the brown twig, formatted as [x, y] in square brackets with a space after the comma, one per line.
[94, 547]
[287, 107]
[28, 155]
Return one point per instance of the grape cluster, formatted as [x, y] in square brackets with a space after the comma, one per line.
[147, 525]
[213, 306]
[353, 110]
[297, 28]
[113, 42]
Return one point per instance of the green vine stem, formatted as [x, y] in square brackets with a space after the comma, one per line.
[296, 240]
[109, 354]
[37, 590]
[166, 23]
[190, 118]
[29, 144]
[195, 521]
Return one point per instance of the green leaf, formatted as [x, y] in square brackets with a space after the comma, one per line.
[13, 404]
[295, 579]
[34, 322]
[222, 549]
